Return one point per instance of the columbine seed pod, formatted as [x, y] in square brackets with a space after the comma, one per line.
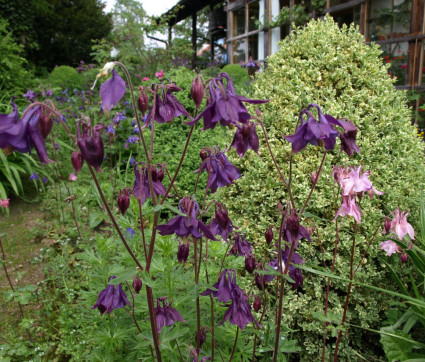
[256, 305]
[183, 252]
[197, 90]
[77, 160]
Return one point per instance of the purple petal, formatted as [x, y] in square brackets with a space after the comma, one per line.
[112, 91]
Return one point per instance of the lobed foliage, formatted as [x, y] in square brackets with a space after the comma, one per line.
[335, 69]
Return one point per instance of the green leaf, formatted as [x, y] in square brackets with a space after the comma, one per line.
[95, 219]
[396, 349]
[123, 276]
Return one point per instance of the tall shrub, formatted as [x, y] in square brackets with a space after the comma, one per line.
[335, 69]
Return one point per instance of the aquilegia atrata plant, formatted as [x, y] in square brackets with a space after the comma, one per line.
[198, 223]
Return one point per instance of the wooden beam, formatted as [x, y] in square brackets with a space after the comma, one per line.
[409, 37]
[348, 4]
[413, 50]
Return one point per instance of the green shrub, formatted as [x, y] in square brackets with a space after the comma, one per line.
[335, 69]
[65, 76]
[14, 78]
[238, 75]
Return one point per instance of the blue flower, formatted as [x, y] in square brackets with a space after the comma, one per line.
[34, 176]
[130, 232]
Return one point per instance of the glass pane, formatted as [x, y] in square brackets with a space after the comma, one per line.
[254, 15]
[238, 48]
[253, 46]
[239, 21]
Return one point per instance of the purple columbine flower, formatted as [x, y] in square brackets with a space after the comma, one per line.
[250, 263]
[245, 138]
[141, 189]
[90, 143]
[110, 129]
[137, 284]
[30, 95]
[166, 315]
[167, 106]
[220, 171]
[112, 91]
[224, 105]
[45, 180]
[188, 224]
[224, 287]
[241, 246]
[113, 297]
[22, 134]
[314, 131]
[221, 223]
[293, 231]
[132, 139]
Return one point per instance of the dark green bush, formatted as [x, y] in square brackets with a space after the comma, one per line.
[334, 68]
[238, 75]
[65, 76]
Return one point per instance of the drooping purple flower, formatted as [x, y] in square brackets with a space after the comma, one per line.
[224, 105]
[182, 252]
[141, 189]
[221, 223]
[220, 171]
[30, 95]
[314, 131]
[239, 311]
[90, 143]
[202, 336]
[197, 90]
[132, 139]
[110, 129]
[245, 138]
[113, 297]
[166, 315]
[77, 160]
[167, 106]
[241, 246]
[112, 91]
[225, 285]
[45, 179]
[143, 101]
[256, 305]
[22, 134]
[188, 224]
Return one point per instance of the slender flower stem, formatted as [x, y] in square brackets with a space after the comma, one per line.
[174, 186]
[212, 315]
[234, 344]
[319, 171]
[189, 136]
[178, 348]
[271, 153]
[328, 289]
[143, 231]
[350, 284]
[198, 312]
[291, 161]
[282, 284]
[224, 258]
[261, 319]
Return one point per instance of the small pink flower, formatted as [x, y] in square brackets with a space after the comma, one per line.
[72, 177]
[145, 79]
[390, 247]
[400, 226]
[137, 75]
[349, 207]
[160, 74]
[4, 203]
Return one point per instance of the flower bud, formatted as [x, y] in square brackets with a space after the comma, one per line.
[256, 305]
[137, 284]
[403, 257]
[197, 90]
[293, 224]
[202, 336]
[387, 226]
[45, 125]
[269, 235]
[91, 145]
[77, 160]
[172, 87]
[183, 252]
[154, 173]
[222, 216]
[160, 174]
[313, 177]
[250, 263]
[203, 154]
[123, 201]
[143, 101]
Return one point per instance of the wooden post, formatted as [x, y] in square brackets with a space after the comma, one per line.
[363, 18]
[413, 50]
[170, 36]
[194, 40]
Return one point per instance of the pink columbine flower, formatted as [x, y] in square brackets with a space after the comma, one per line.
[4, 203]
[390, 247]
[349, 207]
[72, 177]
[400, 226]
[353, 182]
[145, 79]
[159, 74]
